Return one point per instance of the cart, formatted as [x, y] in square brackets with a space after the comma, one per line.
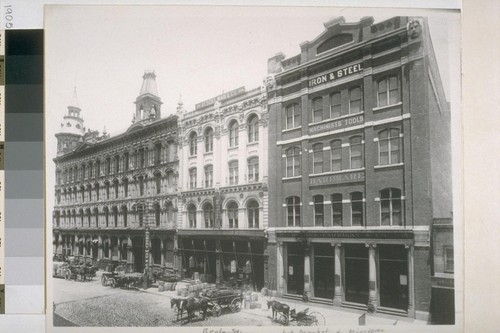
[302, 318]
[224, 298]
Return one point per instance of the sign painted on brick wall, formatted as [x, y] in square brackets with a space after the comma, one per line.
[334, 75]
[338, 178]
[337, 124]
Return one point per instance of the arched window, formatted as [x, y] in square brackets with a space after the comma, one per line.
[233, 134]
[292, 161]
[209, 176]
[141, 185]
[253, 169]
[116, 188]
[357, 208]
[116, 164]
[293, 211]
[192, 178]
[80, 212]
[209, 140]
[391, 207]
[355, 103]
[319, 211]
[389, 146]
[106, 185]
[356, 152]
[336, 155]
[125, 215]
[253, 214]
[106, 216]
[388, 91]
[89, 218]
[98, 168]
[208, 215]
[192, 215]
[317, 108]
[293, 116]
[157, 176]
[318, 158]
[193, 144]
[335, 105]
[233, 173]
[232, 214]
[253, 128]
[115, 216]
[126, 161]
[157, 215]
[337, 209]
[89, 192]
[125, 187]
[96, 188]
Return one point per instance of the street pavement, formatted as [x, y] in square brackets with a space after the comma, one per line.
[91, 304]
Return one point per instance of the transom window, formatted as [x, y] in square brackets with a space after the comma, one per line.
[389, 146]
[356, 152]
[390, 207]
[388, 91]
[319, 216]
[292, 161]
[355, 100]
[293, 116]
[293, 211]
[209, 140]
[233, 134]
[253, 169]
[253, 129]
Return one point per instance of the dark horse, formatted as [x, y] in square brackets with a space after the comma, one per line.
[196, 304]
[179, 303]
[278, 307]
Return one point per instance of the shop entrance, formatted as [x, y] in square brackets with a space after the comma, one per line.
[356, 273]
[294, 269]
[393, 276]
[138, 251]
[324, 271]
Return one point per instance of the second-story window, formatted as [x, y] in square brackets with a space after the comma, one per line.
[233, 134]
[192, 178]
[253, 169]
[357, 208]
[192, 215]
[390, 207]
[232, 214]
[126, 161]
[319, 212]
[208, 215]
[293, 211]
[253, 128]
[337, 209]
[209, 140]
[253, 214]
[233, 172]
[209, 176]
[116, 164]
[293, 116]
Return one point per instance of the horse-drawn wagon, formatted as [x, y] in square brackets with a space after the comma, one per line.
[224, 298]
[290, 317]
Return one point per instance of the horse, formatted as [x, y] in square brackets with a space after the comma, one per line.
[179, 304]
[196, 304]
[278, 307]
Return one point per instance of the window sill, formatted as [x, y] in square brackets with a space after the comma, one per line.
[233, 148]
[385, 107]
[208, 153]
[253, 143]
[388, 166]
[335, 172]
[337, 118]
[291, 178]
[291, 129]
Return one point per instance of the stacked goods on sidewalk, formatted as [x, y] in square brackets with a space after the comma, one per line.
[251, 300]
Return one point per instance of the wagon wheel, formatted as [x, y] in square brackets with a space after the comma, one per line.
[112, 282]
[308, 321]
[235, 305]
[284, 320]
[216, 310]
[317, 319]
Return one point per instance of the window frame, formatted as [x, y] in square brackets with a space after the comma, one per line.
[357, 212]
[351, 100]
[209, 140]
[387, 90]
[209, 175]
[388, 206]
[253, 214]
[193, 143]
[193, 174]
[293, 161]
[317, 109]
[336, 201]
[292, 204]
[253, 128]
[389, 142]
[233, 130]
[352, 157]
[293, 112]
[232, 208]
[253, 169]
[318, 210]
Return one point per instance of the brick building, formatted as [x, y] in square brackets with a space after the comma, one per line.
[115, 197]
[359, 141]
[222, 187]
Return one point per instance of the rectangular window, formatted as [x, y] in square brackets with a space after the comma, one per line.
[388, 91]
[335, 105]
[253, 170]
[355, 100]
[209, 175]
[356, 152]
[357, 209]
[293, 117]
[337, 209]
[233, 173]
[317, 109]
[192, 178]
[318, 210]
[318, 158]
[125, 161]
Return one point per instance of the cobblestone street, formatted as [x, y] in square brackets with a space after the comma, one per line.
[91, 304]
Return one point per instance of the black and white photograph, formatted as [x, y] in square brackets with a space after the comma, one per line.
[252, 167]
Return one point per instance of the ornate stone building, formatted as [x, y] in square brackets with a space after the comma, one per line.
[223, 191]
[115, 197]
[361, 166]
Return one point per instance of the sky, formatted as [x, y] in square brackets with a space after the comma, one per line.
[196, 52]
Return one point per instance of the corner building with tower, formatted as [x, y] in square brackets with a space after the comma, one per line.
[359, 141]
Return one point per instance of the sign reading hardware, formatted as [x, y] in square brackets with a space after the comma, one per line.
[334, 75]
[337, 124]
[337, 179]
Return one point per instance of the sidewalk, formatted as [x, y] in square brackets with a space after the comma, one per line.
[334, 316]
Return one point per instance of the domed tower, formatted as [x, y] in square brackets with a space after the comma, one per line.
[72, 129]
[148, 104]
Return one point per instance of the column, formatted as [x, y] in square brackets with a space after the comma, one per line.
[99, 247]
[218, 263]
[279, 273]
[337, 298]
[372, 274]
[307, 270]
[177, 256]
[130, 258]
[411, 283]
